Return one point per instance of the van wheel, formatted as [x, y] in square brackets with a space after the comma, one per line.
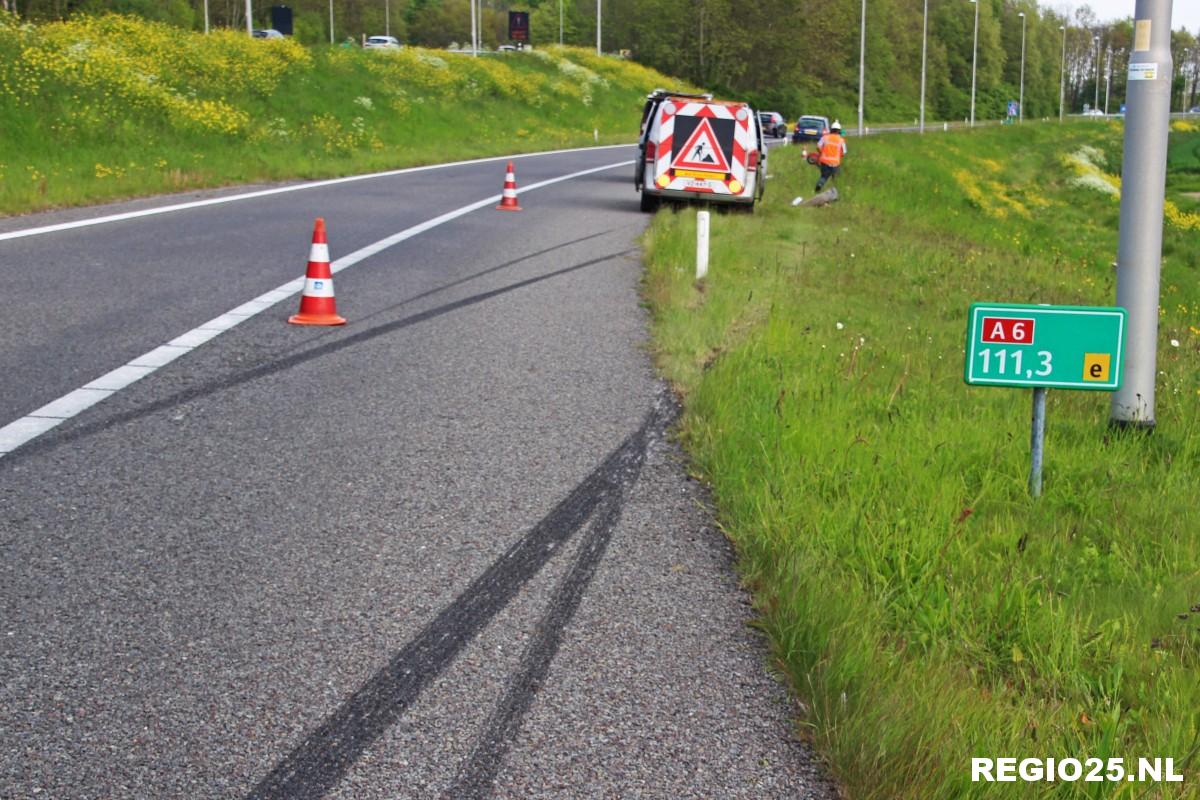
[649, 202]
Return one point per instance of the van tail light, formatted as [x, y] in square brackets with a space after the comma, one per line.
[651, 151]
[752, 160]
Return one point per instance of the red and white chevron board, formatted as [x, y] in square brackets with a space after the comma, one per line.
[743, 143]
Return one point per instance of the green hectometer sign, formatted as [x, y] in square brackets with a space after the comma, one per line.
[1065, 347]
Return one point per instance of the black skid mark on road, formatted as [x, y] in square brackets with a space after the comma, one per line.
[55, 440]
[326, 755]
[478, 773]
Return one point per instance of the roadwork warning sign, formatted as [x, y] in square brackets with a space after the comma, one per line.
[702, 151]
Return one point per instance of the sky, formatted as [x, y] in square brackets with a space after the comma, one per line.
[1184, 13]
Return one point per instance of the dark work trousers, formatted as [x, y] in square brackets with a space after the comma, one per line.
[827, 171]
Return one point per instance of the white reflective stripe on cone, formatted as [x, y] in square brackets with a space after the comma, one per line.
[318, 287]
[319, 252]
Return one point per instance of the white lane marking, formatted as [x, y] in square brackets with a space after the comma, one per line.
[120, 377]
[160, 356]
[71, 404]
[33, 425]
[83, 223]
[15, 434]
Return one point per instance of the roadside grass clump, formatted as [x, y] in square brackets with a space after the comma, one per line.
[112, 106]
[925, 609]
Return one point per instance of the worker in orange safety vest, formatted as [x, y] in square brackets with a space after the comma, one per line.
[831, 150]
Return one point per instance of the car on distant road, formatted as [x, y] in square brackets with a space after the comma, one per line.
[382, 43]
[810, 129]
[1194, 110]
[1093, 112]
[266, 33]
[773, 123]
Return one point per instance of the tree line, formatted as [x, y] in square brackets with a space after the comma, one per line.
[796, 56]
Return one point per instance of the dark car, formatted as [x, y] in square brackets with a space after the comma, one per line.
[773, 124]
[810, 129]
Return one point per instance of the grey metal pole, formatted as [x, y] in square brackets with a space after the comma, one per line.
[1021, 98]
[1062, 74]
[924, 49]
[862, 65]
[974, 60]
[474, 33]
[1107, 81]
[1037, 441]
[560, 23]
[1096, 99]
[599, 51]
[1143, 182]
[331, 21]
[387, 18]
[206, 16]
[249, 19]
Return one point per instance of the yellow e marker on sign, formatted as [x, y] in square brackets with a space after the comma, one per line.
[1096, 366]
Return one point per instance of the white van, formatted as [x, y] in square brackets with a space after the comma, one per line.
[692, 147]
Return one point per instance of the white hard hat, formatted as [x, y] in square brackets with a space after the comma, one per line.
[836, 124]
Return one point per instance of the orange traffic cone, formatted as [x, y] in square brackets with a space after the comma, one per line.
[508, 201]
[317, 305]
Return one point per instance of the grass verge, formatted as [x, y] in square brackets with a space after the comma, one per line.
[107, 107]
[925, 609]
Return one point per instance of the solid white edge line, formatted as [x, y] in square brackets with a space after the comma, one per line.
[160, 356]
[29, 427]
[213, 201]
[194, 338]
[71, 404]
[17, 433]
[120, 377]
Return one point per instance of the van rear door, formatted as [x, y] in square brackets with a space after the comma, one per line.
[703, 147]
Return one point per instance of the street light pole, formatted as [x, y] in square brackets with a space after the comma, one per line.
[387, 18]
[249, 19]
[1062, 74]
[599, 52]
[1107, 81]
[474, 33]
[1096, 99]
[862, 65]
[331, 22]
[974, 60]
[560, 23]
[1021, 99]
[924, 42]
[1143, 179]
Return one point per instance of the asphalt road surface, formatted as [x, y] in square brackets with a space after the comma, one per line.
[445, 551]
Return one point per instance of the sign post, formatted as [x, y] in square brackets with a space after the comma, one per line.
[1040, 347]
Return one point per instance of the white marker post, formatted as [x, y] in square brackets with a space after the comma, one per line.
[701, 245]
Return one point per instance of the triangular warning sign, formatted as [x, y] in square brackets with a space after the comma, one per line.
[702, 151]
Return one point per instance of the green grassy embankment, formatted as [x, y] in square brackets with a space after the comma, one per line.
[109, 107]
[924, 607]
